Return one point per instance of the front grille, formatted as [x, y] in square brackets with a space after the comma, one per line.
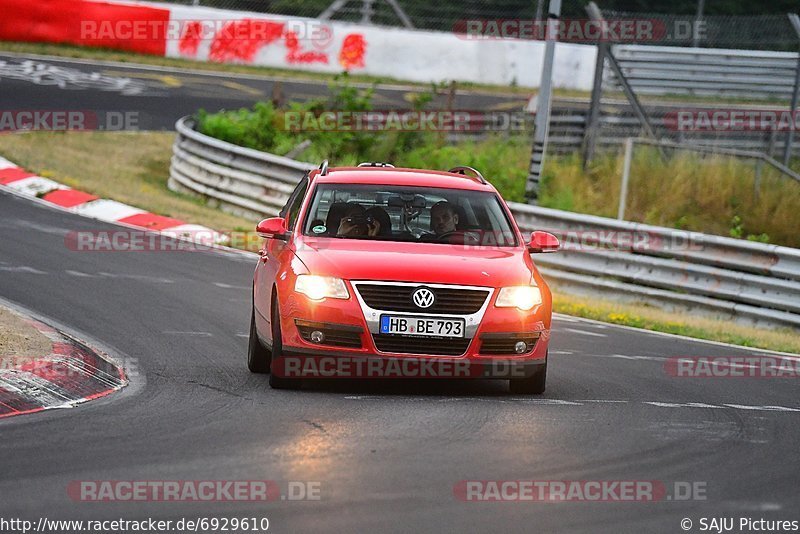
[446, 300]
[421, 345]
[335, 337]
[504, 343]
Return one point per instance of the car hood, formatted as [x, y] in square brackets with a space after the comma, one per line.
[354, 259]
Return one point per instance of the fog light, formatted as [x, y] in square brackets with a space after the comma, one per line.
[317, 336]
[520, 347]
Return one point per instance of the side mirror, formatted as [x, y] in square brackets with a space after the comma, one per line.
[272, 228]
[543, 242]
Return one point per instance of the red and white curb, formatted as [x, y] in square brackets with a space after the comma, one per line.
[29, 184]
[71, 374]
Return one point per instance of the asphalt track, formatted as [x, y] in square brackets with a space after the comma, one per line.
[386, 454]
[160, 96]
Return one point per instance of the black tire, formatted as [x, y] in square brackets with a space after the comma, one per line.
[533, 385]
[259, 358]
[278, 382]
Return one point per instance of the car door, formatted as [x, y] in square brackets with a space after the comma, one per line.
[272, 254]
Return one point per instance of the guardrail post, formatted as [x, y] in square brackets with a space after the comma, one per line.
[626, 171]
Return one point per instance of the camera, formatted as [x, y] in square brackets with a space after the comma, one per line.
[360, 220]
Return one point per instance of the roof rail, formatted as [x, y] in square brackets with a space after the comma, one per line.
[323, 168]
[463, 169]
[375, 164]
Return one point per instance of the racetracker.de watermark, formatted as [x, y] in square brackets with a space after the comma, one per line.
[193, 490]
[406, 121]
[633, 30]
[312, 366]
[222, 29]
[152, 241]
[732, 120]
[733, 366]
[61, 120]
[555, 491]
[131, 240]
[63, 365]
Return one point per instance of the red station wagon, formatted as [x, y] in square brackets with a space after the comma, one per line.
[379, 271]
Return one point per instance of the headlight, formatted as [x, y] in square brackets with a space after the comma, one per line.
[320, 287]
[522, 297]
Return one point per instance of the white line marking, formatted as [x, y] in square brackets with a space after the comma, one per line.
[562, 402]
[21, 269]
[763, 408]
[180, 333]
[682, 404]
[79, 274]
[560, 316]
[228, 286]
[626, 357]
[585, 333]
[604, 401]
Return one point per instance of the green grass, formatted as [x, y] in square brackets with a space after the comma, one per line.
[712, 194]
[128, 167]
[650, 318]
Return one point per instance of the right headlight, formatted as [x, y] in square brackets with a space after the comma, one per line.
[320, 287]
[523, 297]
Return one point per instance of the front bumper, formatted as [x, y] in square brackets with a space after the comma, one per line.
[350, 340]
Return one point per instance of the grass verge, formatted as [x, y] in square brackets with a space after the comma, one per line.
[651, 318]
[20, 341]
[133, 168]
[127, 167]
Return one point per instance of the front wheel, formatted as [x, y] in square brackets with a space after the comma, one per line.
[534, 384]
[258, 358]
[279, 382]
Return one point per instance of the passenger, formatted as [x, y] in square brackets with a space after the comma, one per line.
[381, 224]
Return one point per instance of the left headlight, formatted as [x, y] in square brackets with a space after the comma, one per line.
[523, 297]
[320, 287]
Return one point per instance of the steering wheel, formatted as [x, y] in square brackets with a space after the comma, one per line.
[447, 235]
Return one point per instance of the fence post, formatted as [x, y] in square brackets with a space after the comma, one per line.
[787, 148]
[626, 172]
[590, 128]
[596, 15]
[542, 121]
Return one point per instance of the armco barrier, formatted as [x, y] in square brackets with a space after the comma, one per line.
[730, 278]
[677, 70]
[239, 180]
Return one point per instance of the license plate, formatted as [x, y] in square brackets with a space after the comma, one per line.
[422, 326]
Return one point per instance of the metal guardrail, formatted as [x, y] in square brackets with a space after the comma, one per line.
[732, 278]
[239, 180]
[618, 122]
[665, 70]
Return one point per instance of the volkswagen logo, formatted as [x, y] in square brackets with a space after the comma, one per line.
[423, 297]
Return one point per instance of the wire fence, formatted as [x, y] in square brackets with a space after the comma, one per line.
[758, 32]
[755, 32]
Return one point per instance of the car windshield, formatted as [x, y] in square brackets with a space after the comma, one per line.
[403, 213]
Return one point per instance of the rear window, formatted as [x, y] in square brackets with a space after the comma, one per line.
[403, 213]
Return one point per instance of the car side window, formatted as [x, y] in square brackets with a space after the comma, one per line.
[295, 201]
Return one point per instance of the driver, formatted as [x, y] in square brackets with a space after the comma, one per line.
[444, 218]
